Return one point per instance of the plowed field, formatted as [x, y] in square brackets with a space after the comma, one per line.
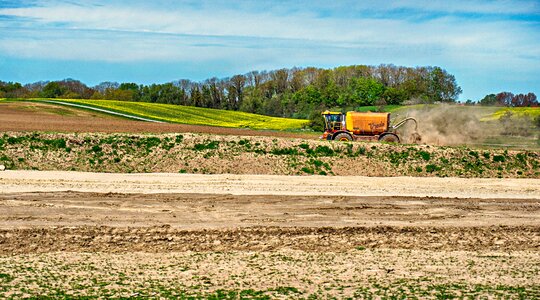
[93, 235]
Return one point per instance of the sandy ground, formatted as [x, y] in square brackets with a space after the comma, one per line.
[214, 211]
[158, 212]
[26, 116]
[47, 181]
[70, 234]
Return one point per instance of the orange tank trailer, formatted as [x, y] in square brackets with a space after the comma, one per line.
[361, 126]
[367, 123]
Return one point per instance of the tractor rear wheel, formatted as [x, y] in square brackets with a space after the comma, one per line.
[389, 138]
[343, 137]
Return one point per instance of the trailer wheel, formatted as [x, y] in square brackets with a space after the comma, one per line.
[343, 137]
[389, 138]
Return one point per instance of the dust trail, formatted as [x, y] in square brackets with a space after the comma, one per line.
[447, 125]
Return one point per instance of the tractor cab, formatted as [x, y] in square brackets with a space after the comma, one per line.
[333, 121]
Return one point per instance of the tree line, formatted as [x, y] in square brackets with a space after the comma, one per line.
[295, 92]
[510, 100]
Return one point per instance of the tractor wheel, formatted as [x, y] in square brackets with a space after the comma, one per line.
[343, 137]
[389, 138]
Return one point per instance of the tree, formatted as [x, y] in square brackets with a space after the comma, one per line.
[442, 87]
[133, 89]
[522, 100]
[363, 92]
[75, 89]
[489, 100]
[395, 96]
[235, 91]
[52, 90]
[504, 98]
[11, 89]
[253, 101]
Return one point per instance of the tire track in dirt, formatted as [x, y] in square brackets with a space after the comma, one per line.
[167, 239]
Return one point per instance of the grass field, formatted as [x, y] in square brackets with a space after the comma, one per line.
[191, 115]
[224, 118]
[531, 112]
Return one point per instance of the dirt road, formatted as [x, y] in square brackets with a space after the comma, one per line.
[47, 181]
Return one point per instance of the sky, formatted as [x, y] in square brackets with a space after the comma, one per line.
[490, 46]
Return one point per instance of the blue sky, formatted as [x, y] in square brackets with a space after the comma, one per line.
[490, 46]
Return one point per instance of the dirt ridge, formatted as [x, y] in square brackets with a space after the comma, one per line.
[165, 239]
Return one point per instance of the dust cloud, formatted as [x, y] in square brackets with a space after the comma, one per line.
[446, 125]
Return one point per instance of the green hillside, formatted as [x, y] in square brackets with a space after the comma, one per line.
[189, 114]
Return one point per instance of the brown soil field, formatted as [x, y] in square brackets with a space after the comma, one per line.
[73, 221]
[151, 236]
[249, 231]
[27, 117]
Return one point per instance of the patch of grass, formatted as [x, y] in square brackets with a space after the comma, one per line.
[286, 290]
[96, 149]
[284, 151]
[304, 146]
[474, 154]
[424, 155]
[148, 143]
[324, 151]
[432, 168]
[399, 156]
[499, 158]
[206, 146]
[308, 170]
[6, 277]
[361, 151]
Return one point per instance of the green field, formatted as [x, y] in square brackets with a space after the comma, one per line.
[531, 112]
[190, 115]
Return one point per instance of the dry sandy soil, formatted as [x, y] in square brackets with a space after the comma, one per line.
[101, 235]
[229, 236]
[23, 116]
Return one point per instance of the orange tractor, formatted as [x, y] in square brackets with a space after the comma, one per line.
[368, 126]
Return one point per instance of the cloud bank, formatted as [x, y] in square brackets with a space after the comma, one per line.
[476, 40]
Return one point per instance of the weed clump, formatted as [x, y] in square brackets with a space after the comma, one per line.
[424, 155]
[206, 146]
[499, 158]
[432, 168]
[324, 151]
[284, 151]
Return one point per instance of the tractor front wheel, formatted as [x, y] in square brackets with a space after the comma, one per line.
[389, 138]
[343, 137]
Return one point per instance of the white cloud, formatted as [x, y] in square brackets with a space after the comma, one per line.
[294, 33]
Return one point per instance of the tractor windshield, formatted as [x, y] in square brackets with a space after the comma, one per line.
[333, 122]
